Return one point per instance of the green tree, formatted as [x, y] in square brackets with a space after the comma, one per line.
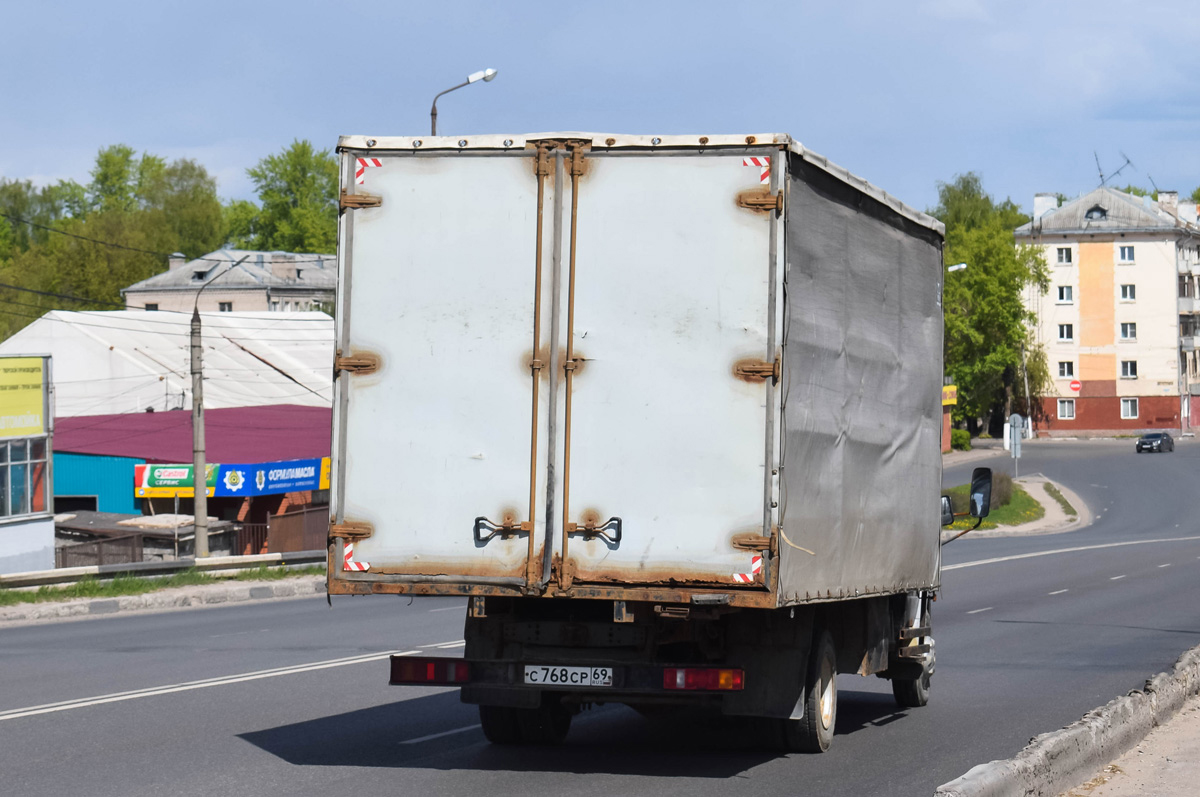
[297, 191]
[986, 323]
[1195, 197]
[1137, 190]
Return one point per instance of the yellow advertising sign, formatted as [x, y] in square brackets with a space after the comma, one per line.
[949, 395]
[22, 396]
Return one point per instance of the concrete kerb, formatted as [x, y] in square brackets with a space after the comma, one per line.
[164, 600]
[1055, 762]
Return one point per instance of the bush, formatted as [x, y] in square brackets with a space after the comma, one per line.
[960, 439]
[1002, 489]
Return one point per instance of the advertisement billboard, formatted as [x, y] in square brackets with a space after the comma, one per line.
[233, 480]
[22, 397]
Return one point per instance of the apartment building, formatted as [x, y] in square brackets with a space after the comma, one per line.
[1118, 323]
[236, 280]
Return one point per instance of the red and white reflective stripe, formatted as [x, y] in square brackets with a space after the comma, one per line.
[763, 163]
[363, 165]
[350, 564]
[755, 569]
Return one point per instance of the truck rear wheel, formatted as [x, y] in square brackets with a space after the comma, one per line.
[813, 733]
[548, 724]
[911, 692]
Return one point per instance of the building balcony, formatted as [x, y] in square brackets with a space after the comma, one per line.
[1189, 304]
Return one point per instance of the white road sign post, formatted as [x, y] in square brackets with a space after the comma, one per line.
[1016, 429]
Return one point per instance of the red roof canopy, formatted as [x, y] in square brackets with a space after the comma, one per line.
[236, 434]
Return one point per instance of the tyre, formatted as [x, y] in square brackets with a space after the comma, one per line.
[546, 725]
[911, 692]
[813, 733]
[500, 724]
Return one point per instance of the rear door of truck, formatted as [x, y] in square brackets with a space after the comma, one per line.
[557, 362]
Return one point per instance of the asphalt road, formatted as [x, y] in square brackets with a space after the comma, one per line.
[290, 698]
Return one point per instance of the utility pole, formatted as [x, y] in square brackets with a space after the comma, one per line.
[1028, 398]
[199, 480]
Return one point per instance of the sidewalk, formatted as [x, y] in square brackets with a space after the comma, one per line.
[163, 600]
[1165, 764]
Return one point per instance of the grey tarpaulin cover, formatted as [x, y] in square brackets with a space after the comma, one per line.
[861, 387]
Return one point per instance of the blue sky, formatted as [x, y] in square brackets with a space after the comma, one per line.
[903, 93]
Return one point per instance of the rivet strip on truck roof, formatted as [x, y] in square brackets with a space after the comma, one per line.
[755, 569]
[363, 165]
[764, 163]
[350, 564]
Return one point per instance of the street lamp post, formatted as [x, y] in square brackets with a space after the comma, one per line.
[487, 75]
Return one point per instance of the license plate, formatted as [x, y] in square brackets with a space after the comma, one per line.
[543, 675]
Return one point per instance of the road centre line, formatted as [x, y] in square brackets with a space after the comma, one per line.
[1116, 578]
[1168, 564]
[450, 608]
[433, 736]
[1036, 554]
[117, 697]
[452, 644]
[977, 611]
[1058, 592]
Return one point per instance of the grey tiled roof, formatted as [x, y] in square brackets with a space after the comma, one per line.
[1122, 212]
[239, 268]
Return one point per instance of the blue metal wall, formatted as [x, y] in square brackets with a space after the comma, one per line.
[109, 478]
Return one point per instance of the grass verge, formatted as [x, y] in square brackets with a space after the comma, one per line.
[1021, 508]
[92, 587]
[1057, 495]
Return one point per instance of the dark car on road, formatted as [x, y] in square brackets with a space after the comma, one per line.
[1155, 441]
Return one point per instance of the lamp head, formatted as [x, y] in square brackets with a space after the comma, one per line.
[486, 75]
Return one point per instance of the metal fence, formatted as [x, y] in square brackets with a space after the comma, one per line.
[302, 530]
[117, 550]
[251, 539]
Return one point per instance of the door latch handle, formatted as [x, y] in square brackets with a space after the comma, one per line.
[593, 529]
[504, 530]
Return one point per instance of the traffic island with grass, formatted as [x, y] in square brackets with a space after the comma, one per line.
[121, 585]
[1011, 505]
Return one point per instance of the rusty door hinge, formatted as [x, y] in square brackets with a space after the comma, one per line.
[350, 530]
[357, 201]
[757, 200]
[357, 364]
[758, 370]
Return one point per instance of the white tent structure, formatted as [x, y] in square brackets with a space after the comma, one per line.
[134, 361]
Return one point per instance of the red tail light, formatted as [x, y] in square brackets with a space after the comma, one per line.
[705, 679]
[431, 671]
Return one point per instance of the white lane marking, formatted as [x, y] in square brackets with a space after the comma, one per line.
[444, 644]
[977, 611]
[452, 645]
[432, 736]
[1116, 578]
[117, 697]
[1168, 564]
[450, 608]
[999, 559]
[1059, 591]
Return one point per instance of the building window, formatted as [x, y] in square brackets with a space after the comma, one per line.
[1064, 255]
[1129, 369]
[1129, 408]
[275, 307]
[1128, 293]
[1097, 213]
[150, 307]
[1065, 294]
[1066, 409]
[1066, 369]
[225, 307]
[1066, 332]
[1128, 330]
[1126, 254]
[23, 484]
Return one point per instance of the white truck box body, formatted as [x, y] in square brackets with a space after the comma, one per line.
[659, 283]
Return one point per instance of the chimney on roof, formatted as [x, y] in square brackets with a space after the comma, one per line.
[283, 265]
[1187, 211]
[1042, 203]
[1169, 201]
[176, 261]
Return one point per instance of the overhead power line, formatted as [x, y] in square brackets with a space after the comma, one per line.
[97, 241]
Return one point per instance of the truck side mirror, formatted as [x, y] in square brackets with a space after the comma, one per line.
[981, 492]
[947, 511]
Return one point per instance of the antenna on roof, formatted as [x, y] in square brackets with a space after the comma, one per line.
[1104, 179]
[1151, 179]
[1096, 155]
